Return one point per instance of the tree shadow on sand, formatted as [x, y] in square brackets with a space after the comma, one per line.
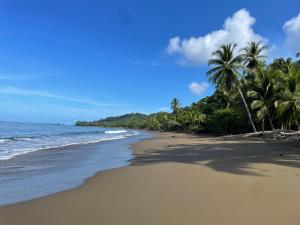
[226, 155]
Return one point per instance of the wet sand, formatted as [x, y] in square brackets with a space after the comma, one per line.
[179, 179]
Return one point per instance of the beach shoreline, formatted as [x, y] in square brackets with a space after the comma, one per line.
[49, 171]
[178, 178]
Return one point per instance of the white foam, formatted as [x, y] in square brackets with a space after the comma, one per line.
[3, 141]
[115, 131]
[5, 155]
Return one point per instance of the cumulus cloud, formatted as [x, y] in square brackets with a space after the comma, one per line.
[292, 31]
[198, 88]
[197, 50]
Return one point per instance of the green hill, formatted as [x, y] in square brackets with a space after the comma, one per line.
[132, 120]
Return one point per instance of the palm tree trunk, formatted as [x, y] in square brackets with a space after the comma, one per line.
[228, 105]
[263, 126]
[270, 121]
[247, 109]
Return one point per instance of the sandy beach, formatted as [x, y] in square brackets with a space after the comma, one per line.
[180, 179]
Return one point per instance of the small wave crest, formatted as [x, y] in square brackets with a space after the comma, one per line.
[115, 131]
[10, 139]
[4, 155]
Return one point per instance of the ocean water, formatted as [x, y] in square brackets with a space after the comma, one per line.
[40, 159]
[20, 138]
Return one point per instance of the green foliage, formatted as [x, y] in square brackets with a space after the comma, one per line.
[272, 91]
[227, 121]
[225, 67]
[252, 55]
[264, 90]
[175, 105]
[201, 117]
[133, 120]
[288, 104]
[225, 73]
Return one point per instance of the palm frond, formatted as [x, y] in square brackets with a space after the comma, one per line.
[257, 104]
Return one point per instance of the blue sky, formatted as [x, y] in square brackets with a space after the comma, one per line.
[63, 61]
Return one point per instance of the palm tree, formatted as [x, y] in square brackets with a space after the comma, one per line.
[264, 92]
[190, 120]
[175, 105]
[282, 65]
[226, 71]
[289, 105]
[222, 99]
[253, 54]
[298, 56]
[228, 98]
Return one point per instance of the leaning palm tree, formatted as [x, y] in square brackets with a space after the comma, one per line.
[175, 105]
[225, 72]
[253, 54]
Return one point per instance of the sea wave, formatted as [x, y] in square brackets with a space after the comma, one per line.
[5, 155]
[115, 131]
[21, 138]
[10, 139]
[27, 145]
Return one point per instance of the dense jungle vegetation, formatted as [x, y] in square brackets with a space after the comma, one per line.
[250, 95]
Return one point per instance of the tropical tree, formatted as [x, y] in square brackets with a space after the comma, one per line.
[264, 91]
[225, 72]
[253, 54]
[284, 65]
[289, 105]
[298, 56]
[175, 105]
[190, 119]
[228, 98]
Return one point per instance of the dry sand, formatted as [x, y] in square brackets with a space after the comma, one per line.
[179, 179]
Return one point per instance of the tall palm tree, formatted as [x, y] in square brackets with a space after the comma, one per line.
[175, 105]
[226, 71]
[253, 54]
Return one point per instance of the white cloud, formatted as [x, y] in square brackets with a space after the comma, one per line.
[8, 90]
[198, 88]
[197, 50]
[292, 31]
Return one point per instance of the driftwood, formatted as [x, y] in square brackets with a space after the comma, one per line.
[280, 135]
